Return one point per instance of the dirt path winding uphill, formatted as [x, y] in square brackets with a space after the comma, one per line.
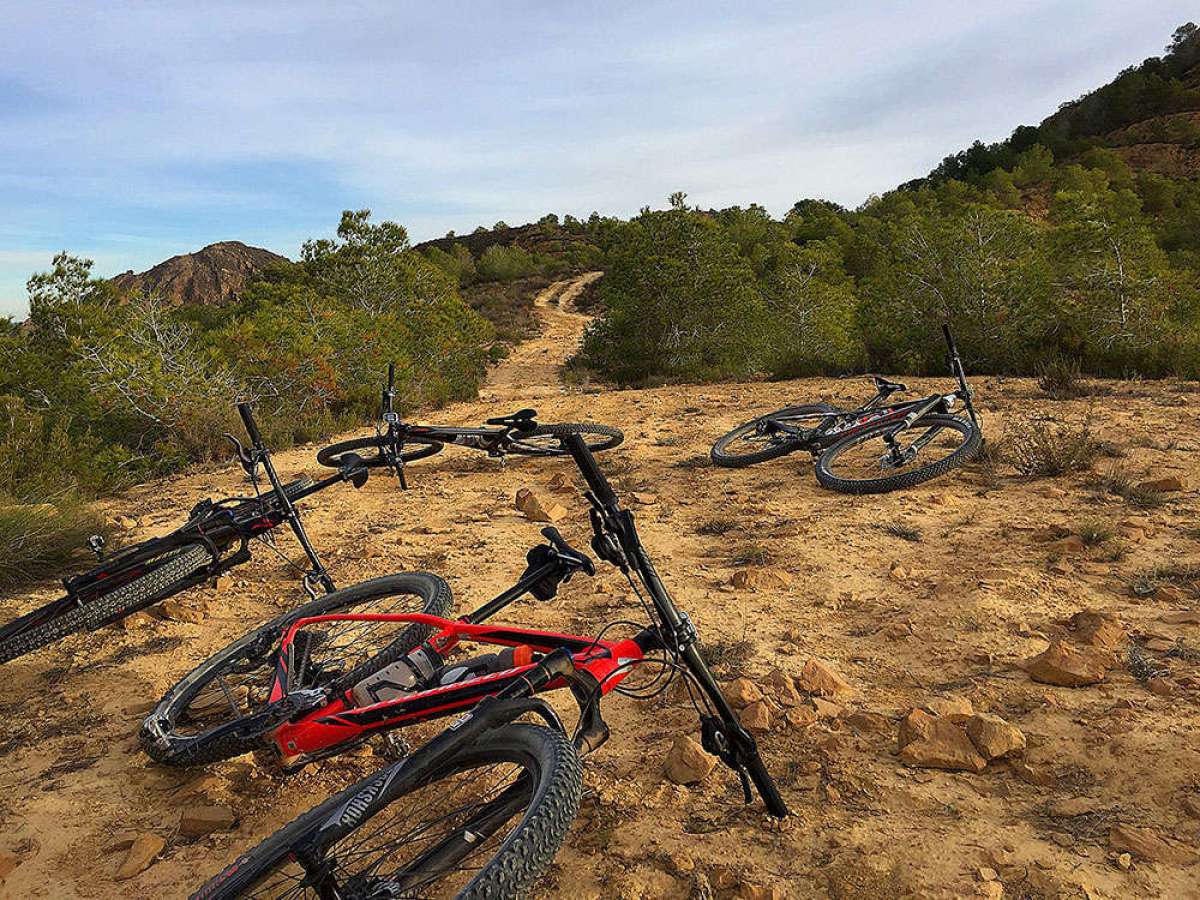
[534, 367]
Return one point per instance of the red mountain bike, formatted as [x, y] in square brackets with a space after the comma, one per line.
[481, 809]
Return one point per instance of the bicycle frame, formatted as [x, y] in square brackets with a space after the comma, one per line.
[491, 440]
[341, 724]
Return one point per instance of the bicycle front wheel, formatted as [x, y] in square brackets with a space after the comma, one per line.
[145, 583]
[546, 440]
[484, 823]
[864, 463]
[222, 707]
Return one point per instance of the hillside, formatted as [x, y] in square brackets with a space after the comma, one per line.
[212, 276]
[1148, 114]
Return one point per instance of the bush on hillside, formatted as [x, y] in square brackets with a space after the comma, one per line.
[500, 263]
[666, 269]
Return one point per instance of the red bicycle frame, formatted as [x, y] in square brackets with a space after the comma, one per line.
[341, 721]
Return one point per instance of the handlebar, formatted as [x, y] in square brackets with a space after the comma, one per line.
[586, 462]
[251, 426]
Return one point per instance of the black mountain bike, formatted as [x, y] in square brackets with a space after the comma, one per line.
[520, 433]
[480, 810]
[878, 447]
[215, 538]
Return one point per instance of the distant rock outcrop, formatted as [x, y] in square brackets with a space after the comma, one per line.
[214, 275]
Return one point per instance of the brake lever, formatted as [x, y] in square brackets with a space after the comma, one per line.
[714, 740]
[248, 460]
[603, 543]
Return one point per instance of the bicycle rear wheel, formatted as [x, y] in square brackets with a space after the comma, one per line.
[755, 441]
[864, 464]
[146, 583]
[221, 708]
[546, 440]
[484, 823]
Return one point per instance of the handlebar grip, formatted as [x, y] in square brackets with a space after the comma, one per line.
[251, 425]
[391, 375]
[595, 479]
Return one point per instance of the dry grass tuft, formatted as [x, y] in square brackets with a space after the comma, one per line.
[1042, 448]
[40, 539]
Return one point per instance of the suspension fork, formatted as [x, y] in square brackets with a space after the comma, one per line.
[906, 423]
[318, 574]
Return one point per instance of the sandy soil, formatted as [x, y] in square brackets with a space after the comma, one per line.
[905, 621]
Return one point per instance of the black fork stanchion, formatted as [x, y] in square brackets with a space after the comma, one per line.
[725, 735]
[956, 368]
[285, 502]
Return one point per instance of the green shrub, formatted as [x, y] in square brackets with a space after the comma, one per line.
[661, 321]
[505, 264]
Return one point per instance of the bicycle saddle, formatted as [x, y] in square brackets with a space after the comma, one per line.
[521, 420]
[888, 387]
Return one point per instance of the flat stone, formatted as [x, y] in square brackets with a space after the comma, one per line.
[1150, 845]
[1164, 484]
[1184, 617]
[142, 852]
[197, 821]
[1067, 666]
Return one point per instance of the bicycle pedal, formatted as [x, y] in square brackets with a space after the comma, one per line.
[395, 747]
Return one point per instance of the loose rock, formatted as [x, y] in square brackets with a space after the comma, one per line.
[177, 612]
[198, 821]
[1067, 666]
[687, 762]
[1149, 845]
[819, 678]
[8, 862]
[956, 709]
[932, 742]
[994, 738]
[535, 510]
[1164, 484]
[142, 852]
[757, 716]
[742, 692]
[1097, 629]
[782, 688]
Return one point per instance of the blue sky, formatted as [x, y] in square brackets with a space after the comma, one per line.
[132, 131]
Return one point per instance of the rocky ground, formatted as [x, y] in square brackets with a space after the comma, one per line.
[986, 686]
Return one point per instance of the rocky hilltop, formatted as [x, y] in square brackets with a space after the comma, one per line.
[213, 275]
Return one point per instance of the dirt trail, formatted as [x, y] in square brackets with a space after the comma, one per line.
[533, 368]
[935, 592]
